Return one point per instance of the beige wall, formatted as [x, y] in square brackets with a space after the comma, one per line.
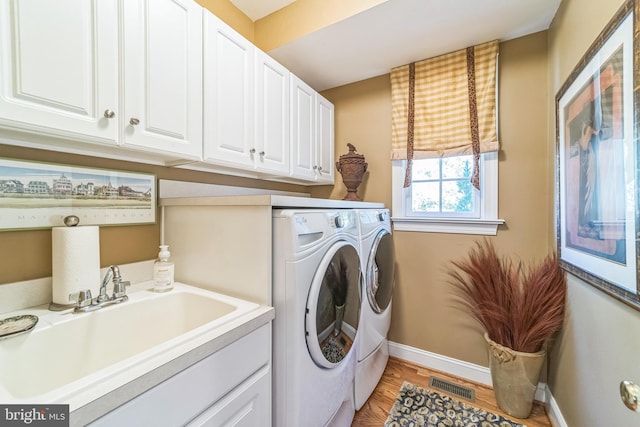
[599, 346]
[289, 23]
[232, 16]
[423, 316]
[304, 17]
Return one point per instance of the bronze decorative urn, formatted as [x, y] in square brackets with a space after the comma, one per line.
[352, 167]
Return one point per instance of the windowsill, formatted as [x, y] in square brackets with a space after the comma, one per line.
[487, 227]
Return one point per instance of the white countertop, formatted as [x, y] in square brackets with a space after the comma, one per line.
[275, 201]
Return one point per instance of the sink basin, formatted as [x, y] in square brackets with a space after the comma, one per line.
[75, 358]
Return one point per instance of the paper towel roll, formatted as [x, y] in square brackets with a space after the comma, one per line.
[76, 261]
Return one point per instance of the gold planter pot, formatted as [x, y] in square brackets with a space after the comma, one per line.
[515, 377]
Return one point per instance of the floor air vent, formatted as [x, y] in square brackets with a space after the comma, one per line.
[452, 388]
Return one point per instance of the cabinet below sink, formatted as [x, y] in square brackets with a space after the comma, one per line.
[233, 384]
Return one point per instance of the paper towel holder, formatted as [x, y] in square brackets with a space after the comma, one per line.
[69, 221]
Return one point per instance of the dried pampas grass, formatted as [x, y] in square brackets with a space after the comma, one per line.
[520, 307]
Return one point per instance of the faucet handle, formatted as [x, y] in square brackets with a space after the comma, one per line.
[119, 288]
[81, 298]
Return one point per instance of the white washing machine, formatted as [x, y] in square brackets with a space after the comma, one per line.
[378, 266]
[316, 294]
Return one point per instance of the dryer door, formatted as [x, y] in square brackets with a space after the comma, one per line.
[333, 306]
[380, 272]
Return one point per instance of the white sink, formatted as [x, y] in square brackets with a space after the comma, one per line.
[76, 358]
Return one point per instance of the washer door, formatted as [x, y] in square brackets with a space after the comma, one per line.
[380, 272]
[333, 306]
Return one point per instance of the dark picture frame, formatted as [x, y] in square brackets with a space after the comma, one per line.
[597, 162]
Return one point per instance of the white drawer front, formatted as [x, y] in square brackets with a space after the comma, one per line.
[190, 392]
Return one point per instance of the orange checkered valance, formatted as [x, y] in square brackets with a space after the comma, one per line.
[445, 106]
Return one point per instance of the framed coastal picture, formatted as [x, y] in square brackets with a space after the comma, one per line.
[41, 195]
[597, 214]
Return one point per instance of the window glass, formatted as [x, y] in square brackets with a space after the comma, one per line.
[425, 169]
[441, 186]
[425, 197]
[457, 167]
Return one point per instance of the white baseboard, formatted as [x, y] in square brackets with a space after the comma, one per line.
[459, 368]
[468, 371]
[553, 411]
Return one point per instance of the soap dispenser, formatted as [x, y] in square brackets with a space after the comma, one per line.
[163, 271]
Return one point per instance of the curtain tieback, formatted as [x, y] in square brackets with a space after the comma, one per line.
[473, 117]
[410, 123]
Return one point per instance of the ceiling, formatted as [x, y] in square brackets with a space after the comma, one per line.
[398, 32]
[256, 9]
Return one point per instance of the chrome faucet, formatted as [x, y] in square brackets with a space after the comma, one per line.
[85, 303]
[113, 273]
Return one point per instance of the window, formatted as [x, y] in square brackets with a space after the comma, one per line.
[442, 187]
[441, 198]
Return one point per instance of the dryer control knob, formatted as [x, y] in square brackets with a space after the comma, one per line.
[380, 216]
[339, 222]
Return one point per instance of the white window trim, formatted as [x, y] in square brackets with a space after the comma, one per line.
[487, 224]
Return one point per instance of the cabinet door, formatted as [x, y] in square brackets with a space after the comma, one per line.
[325, 140]
[59, 68]
[228, 95]
[249, 405]
[163, 76]
[303, 132]
[271, 153]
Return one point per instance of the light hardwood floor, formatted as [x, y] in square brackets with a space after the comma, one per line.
[375, 411]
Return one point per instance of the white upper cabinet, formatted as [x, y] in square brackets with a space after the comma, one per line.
[162, 46]
[125, 73]
[325, 140]
[59, 68]
[303, 130]
[246, 103]
[272, 136]
[228, 95]
[312, 134]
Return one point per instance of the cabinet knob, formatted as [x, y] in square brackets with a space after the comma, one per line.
[109, 114]
[133, 121]
[315, 167]
[261, 153]
[252, 151]
[319, 168]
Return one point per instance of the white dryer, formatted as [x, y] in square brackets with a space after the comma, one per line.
[316, 294]
[378, 266]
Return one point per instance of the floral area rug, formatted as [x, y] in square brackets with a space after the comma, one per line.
[419, 407]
